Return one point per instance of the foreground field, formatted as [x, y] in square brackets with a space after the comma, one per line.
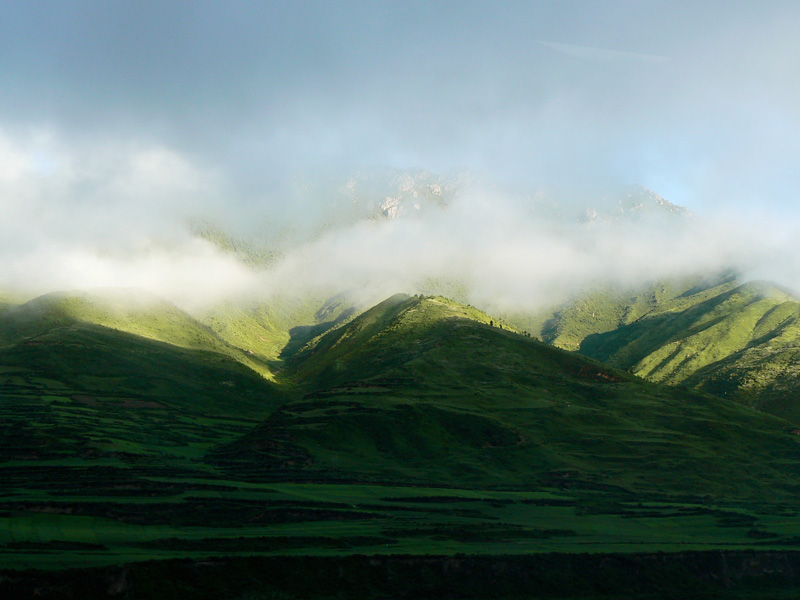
[159, 518]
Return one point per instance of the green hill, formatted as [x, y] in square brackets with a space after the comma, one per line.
[128, 310]
[736, 340]
[419, 427]
[426, 390]
[387, 333]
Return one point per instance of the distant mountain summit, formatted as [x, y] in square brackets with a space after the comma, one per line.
[633, 203]
[331, 203]
[393, 194]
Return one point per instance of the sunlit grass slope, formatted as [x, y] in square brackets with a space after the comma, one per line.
[427, 390]
[600, 310]
[388, 333]
[80, 400]
[280, 326]
[128, 310]
[90, 374]
[737, 340]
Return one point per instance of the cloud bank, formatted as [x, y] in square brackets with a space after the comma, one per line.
[116, 216]
[108, 216]
[486, 248]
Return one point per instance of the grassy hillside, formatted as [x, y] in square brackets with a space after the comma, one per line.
[129, 310]
[600, 310]
[86, 391]
[386, 333]
[280, 327]
[256, 334]
[427, 390]
[419, 427]
[736, 340]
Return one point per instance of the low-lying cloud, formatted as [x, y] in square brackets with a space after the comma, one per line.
[116, 216]
[109, 215]
[490, 249]
[117, 125]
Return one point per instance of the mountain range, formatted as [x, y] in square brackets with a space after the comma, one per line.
[660, 417]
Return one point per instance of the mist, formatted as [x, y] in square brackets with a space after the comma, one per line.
[500, 256]
[118, 123]
[117, 216]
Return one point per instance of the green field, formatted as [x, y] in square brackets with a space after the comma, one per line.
[419, 428]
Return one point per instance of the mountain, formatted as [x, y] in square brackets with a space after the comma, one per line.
[420, 427]
[598, 310]
[427, 390]
[633, 202]
[421, 430]
[326, 204]
[128, 310]
[393, 194]
[380, 195]
[734, 339]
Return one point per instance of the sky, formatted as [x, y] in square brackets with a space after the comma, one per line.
[117, 120]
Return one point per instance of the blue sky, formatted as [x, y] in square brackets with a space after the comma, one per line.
[697, 100]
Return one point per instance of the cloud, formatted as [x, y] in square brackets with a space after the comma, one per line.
[604, 54]
[114, 215]
[500, 256]
[108, 215]
[192, 274]
[118, 123]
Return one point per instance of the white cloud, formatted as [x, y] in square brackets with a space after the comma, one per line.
[108, 215]
[511, 259]
[604, 54]
[113, 215]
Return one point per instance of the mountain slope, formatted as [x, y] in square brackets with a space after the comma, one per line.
[600, 310]
[280, 326]
[127, 310]
[84, 392]
[731, 338]
[426, 390]
[387, 333]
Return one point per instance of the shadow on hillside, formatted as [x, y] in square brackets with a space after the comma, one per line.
[627, 345]
[302, 334]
